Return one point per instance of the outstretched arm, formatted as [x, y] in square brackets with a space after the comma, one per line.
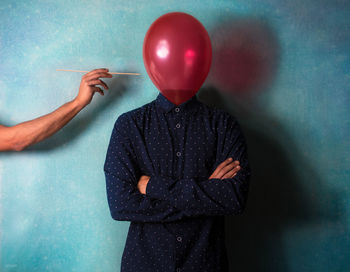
[20, 136]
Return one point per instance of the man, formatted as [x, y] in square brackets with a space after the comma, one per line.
[20, 136]
[175, 171]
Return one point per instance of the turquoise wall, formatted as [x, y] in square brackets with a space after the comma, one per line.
[287, 64]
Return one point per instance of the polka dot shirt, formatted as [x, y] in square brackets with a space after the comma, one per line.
[178, 225]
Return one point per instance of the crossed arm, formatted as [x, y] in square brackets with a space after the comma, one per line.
[165, 199]
[226, 169]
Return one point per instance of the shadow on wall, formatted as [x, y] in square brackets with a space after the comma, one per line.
[118, 86]
[245, 55]
[280, 197]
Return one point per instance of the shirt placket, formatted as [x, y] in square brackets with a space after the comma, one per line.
[179, 148]
[178, 129]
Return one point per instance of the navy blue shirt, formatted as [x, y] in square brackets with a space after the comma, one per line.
[178, 225]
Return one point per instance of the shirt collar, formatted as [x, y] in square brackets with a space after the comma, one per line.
[166, 105]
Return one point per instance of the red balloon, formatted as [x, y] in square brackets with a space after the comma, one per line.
[177, 55]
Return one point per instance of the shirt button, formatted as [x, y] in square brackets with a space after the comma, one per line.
[177, 109]
[179, 238]
[178, 154]
[178, 125]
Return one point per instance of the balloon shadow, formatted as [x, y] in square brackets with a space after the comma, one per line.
[118, 86]
[246, 54]
[279, 198]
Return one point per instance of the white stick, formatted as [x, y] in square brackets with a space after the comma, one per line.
[114, 73]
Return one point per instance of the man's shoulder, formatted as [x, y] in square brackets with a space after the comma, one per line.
[217, 113]
[134, 114]
[222, 113]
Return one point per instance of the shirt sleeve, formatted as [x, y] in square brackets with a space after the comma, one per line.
[122, 173]
[200, 196]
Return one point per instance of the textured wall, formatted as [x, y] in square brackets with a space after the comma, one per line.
[287, 64]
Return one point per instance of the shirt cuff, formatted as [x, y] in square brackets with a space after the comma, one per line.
[158, 187]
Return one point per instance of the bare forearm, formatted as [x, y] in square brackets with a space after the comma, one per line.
[30, 132]
[27, 133]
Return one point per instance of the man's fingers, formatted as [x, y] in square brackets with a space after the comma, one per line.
[99, 90]
[221, 165]
[228, 168]
[231, 173]
[97, 82]
[225, 167]
[97, 75]
[100, 70]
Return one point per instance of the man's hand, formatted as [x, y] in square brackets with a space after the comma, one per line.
[88, 87]
[142, 184]
[226, 169]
